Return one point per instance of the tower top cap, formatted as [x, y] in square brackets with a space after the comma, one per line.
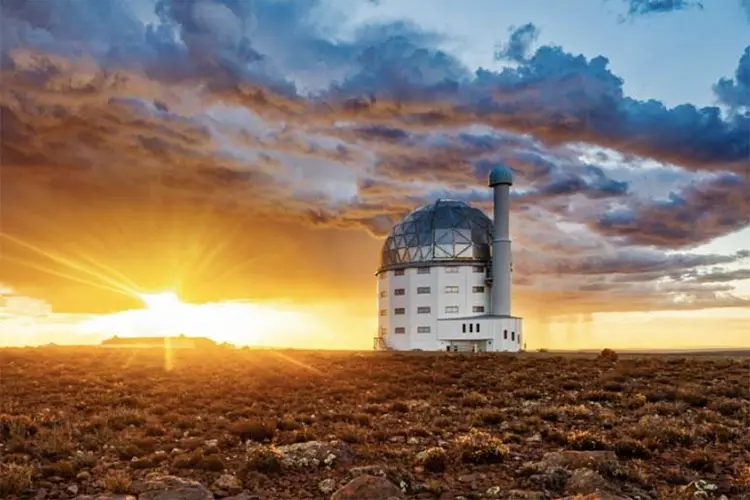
[501, 175]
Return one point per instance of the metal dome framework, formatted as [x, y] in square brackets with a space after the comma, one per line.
[443, 232]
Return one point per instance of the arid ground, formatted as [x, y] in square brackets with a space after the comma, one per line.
[90, 421]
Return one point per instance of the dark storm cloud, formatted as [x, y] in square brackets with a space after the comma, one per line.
[735, 93]
[645, 7]
[212, 110]
[518, 46]
[698, 214]
[639, 261]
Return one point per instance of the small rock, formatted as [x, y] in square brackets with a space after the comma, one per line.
[397, 439]
[160, 487]
[211, 442]
[370, 470]
[84, 476]
[368, 488]
[326, 486]
[315, 453]
[493, 491]
[72, 489]
[229, 483]
[586, 481]
[412, 440]
[525, 495]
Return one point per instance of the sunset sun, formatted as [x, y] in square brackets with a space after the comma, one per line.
[162, 303]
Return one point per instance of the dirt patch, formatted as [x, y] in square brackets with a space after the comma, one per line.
[302, 425]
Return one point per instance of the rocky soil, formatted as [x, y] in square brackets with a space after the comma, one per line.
[88, 423]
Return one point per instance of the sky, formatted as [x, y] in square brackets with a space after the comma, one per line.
[251, 156]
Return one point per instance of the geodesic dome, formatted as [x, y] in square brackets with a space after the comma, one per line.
[441, 232]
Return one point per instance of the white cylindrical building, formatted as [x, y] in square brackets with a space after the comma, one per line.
[444, 278]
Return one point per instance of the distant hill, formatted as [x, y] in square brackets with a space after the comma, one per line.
[173, 342]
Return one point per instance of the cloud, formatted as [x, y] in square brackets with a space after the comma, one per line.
[646, 7]
[640, 8]
[735, 93]
[206, 152]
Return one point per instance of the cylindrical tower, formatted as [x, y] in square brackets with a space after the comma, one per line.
[501, 178]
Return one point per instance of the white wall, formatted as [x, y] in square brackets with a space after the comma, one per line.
[438, 278]
[505, 333]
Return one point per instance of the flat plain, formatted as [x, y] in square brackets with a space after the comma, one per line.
[302, 424]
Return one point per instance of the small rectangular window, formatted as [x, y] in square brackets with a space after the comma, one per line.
[471, 327]
[463, 327]
[478, 269]
[423, 329]
[400, 329]
[423, 310]
[451, 270]
[383, 293]
[398, 272]
[384, 312]
[399, 291]
[421, 290]
[399, 310]
[513, 336]
[478, 309]
[477, 289]
[451, 289]
[423, 270]
[478, 327]
[505, 334]
[451, 309]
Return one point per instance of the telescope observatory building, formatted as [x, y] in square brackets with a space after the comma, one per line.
[444, 281]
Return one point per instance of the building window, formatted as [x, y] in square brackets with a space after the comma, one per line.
[399, 310]
[400, 330]
[451, 270]
[451, 289]
[398, 272]
[451, 309]
[478, 328]
[399, 291]
[463, 328]
[513, 336]
[384, 312]
[423, 270]
[383, 293]
[423, 310]
[478, 269]
[505, 334]
[421, 290]
[471, 327]
[477, 289]
[423, 329]
[478, 309]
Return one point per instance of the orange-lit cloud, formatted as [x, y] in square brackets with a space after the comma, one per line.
[208, 155]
